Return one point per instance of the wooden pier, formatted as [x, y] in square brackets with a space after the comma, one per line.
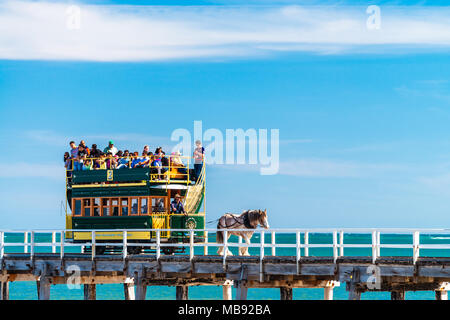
[136, 272]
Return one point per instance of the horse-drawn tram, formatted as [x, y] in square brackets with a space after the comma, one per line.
[135, 198]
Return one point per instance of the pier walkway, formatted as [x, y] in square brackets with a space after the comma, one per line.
[394, 260]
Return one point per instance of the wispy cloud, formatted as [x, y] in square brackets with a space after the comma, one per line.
[32, 170]
[49, 137]
[326, 168]
[38, 30]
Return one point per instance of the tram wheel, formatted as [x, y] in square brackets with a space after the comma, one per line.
[134, 250]
[168, 251]
[100, 250]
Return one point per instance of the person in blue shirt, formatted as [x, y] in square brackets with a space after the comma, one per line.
[176, 205]
[136, 160]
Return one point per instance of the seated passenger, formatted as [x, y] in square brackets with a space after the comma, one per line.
[177, 206]
[123, 160]
[136, 160]
[144, 161]
[87, 165]
[176, 162]
[110, 161]
[159, 206]
[100, 163]
[164, 162]
[155, 167]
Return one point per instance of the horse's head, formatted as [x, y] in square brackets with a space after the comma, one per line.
[263, 221]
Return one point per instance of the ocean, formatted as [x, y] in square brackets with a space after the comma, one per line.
[28, 290]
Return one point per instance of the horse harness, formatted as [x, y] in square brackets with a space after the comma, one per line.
[245, 219]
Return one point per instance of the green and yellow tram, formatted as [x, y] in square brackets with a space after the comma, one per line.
[134, 198]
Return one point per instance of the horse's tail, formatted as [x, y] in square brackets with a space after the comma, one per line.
[219, 234]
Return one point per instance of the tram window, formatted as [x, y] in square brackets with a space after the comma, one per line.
[115, 206]
[144, 205]
[105, 206]
[158, 205]
[87, 207]
[96, 207]
[124, 205]
[134, 206]
[77, 208]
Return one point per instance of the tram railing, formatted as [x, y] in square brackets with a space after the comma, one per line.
[177, 169]
[302, 245]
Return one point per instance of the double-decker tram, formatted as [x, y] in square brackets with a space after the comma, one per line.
[135, 198]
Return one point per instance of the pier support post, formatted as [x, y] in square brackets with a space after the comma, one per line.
[353, 292]
[141, 290]
[182, 292]
[328, 293]
[441, 295]
[226, 290]
[140, 284]
[397, 295]
[90, 292]
[241, 290]
[4, 290]
[129, 291]
[285, 293]
[43, 288]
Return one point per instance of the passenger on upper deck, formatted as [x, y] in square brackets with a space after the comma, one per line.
[87, 165]
[198, 158]
[86, 149]
[176, 162]
[176, 205]
[95, 153]
[164, 162]
[110, 161]
[111, 148]
[136, 159]
[123, 160]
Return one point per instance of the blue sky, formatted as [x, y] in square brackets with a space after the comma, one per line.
[364, 135]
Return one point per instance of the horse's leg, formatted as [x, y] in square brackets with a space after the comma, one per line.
[229, 253]
[247, 241]
[241, 249]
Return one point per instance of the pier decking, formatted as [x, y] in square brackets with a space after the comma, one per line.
[199, 266]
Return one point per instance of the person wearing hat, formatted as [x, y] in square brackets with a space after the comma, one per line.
[111, 148]
[176, 205]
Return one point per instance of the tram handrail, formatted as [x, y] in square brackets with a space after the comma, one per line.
[337, 244]
[185, 162]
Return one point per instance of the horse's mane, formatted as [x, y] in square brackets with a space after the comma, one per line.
[253, 216]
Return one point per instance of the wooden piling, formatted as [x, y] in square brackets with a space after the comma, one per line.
[182, 293]
[441, 294]
[353, 292]
[241, 290]
[285, 293]
[129, 291]
[43, 288]
[328, 293]
[141, 291]
[226, 290]
[90, 292]
[397, 295]
[4, 290]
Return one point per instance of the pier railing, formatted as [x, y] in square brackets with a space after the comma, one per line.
[332, 241]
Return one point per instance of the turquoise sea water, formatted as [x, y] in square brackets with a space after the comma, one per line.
[28, 290]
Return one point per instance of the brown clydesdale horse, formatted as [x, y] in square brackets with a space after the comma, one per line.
[249, 219]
